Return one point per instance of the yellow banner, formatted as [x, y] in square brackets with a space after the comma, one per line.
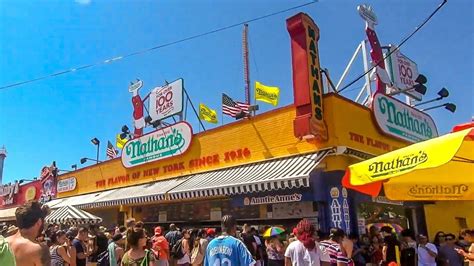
[207, 114]
[120, 142]
[423, 155]
[266, 93]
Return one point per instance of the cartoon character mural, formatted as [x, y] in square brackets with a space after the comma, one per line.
[137, 102]
[48, 183]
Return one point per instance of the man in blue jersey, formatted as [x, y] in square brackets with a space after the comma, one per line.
[226, 250]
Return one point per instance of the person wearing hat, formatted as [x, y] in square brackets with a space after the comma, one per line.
[211, 233]
[115, 249]
[427, 252]
[160, 247]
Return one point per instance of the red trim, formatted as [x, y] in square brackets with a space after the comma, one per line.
[372, 189]
[461, 127]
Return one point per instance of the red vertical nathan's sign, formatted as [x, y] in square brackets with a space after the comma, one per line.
[307, 84]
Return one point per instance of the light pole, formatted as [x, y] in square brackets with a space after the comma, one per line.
[96, 142]
[85, 159]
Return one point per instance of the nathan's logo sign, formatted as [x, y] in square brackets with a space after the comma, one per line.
[157, 145]
[447, 191]
[402, 121]
[272, 199]
[8, 191]
[167, 100]
[399, 164]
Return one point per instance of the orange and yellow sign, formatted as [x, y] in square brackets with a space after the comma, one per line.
[307, 83]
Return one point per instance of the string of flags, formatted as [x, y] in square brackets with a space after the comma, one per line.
[230, 107]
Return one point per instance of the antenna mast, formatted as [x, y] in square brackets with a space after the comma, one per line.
[245, 51]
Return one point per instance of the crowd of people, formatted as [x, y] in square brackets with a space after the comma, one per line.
[133, 245]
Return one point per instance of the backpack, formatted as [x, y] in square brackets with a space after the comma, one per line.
[103, 259]
[177, 250]
[196, 256]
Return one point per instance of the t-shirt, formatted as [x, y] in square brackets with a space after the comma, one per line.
[301, 256]
[332, 252]
[424, 258]
[408, 255]
[227, 251]
[173, 237]
[248, 241]
[102, 243]
[451, 256]
[128, 261]
[391, 242]
[160, 243]
[79, 249]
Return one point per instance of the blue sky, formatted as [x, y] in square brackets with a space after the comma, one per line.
[55, 119]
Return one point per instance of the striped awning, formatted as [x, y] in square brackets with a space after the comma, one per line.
[150, 192]
[281, 173]
[71, 215]
[78, 200]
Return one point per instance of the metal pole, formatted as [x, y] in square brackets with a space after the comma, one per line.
[366, 68]
[348, 67]
[194, 109]
[246, 63]
[98, 148]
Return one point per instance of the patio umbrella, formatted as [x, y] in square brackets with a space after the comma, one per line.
[273, 231]
[398, 228]
[72, 215]
[441, 168]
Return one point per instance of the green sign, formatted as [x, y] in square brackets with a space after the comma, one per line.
[402, 121]
[157, 145]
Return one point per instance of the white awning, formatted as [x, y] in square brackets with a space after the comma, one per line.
[7, 214]
[274, 174]
[78, 200]
[150, 192]
[72, 215]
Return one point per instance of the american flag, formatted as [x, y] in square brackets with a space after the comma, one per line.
[229, 107]
[111, 151]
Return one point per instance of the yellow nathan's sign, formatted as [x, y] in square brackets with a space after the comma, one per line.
[207, 114]
[267, 94]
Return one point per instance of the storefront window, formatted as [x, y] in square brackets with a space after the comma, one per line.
[379, 214]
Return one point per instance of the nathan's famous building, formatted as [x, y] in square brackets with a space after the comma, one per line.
[270, 169]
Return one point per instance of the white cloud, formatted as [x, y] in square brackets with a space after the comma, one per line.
[83, 2]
